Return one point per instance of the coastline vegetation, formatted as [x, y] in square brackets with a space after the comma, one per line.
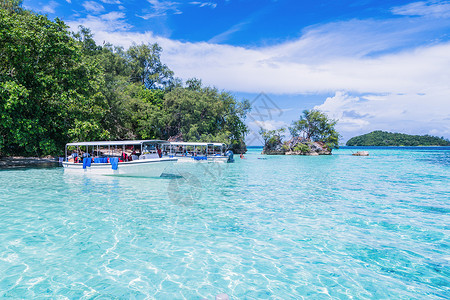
[383, 138]
[57, 86]
[314, 133]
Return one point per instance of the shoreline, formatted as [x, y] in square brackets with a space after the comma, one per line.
[22, 161]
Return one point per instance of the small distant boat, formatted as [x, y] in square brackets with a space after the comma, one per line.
[361, 153]
[198, 152]
[142, 158]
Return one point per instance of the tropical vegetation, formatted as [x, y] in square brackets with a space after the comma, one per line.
[315, 126]
[313, 132]
[58, 86]
[383, 138]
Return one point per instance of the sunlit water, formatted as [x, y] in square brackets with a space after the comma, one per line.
[283, 227]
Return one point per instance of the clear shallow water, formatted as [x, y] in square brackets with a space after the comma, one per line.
[285, 227]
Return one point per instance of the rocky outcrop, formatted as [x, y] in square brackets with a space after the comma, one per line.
[297, 146]
[274, 146]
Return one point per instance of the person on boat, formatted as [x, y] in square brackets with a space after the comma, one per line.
[159, 151]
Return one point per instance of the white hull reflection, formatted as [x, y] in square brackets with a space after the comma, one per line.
[141, 168]
[208, 159]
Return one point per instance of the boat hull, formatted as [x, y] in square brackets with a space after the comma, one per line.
[138, 168]
[215, 159]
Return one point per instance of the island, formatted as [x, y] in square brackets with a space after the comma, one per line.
[384, 138]
[313, 134]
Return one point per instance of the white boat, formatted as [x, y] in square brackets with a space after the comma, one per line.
[198, 152]
[118, 158]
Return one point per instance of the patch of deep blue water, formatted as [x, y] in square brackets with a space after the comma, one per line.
[284, 227]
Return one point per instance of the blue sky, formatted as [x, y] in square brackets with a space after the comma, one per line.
[374, 65]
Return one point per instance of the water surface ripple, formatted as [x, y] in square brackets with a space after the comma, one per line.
[285, 227]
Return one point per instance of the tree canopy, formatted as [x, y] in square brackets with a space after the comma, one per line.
[58, 87]
[315, 126]
[48, 92]
[383, 138]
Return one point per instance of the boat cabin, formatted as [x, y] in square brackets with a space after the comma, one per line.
[131, 150]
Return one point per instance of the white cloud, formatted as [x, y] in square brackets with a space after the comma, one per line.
[268, 124]
[111, 1]
[160, 8]
[50, 7]
[407, 113]
[438, 9]
[284, 69]
[93, 7]
[113, 16]
[403, 90]
[204, 4]
[110, 22]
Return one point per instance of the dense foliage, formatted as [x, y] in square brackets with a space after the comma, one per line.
[315, 126]
[382, 138]
[313, 132]
[57, 87]
[272, 138]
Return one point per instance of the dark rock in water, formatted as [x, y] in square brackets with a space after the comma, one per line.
[274, 146]
[274, 149]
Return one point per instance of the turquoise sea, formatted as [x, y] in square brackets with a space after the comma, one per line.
[282, 227]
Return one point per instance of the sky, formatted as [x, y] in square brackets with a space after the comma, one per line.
[372, 65]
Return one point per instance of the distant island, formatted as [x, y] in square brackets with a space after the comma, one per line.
[383, 138]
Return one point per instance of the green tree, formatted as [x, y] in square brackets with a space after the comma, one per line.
[11, 5]
[205, 114]
[49, 94]
[272, 138]
[86, 39]
[315, 126]
[147, 67]
[382, 138]
[57, 87]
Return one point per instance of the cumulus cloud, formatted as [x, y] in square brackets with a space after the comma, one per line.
[268, 124]
[323, 59]
[406, 113]
[383, 81]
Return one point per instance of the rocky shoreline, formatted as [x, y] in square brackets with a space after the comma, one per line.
[21, 161]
